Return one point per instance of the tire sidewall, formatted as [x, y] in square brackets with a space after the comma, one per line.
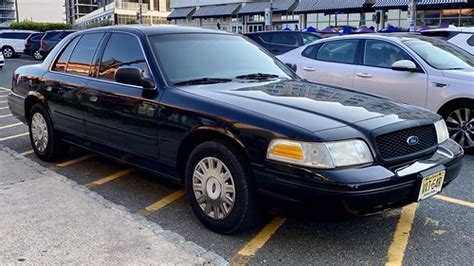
[36, 52]
[453, 108]
[243, 189]
[49, 151]
[13, 52]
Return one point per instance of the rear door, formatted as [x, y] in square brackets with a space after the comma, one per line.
[66, 81]
[375, 75]
[331, 62]
[119, 115]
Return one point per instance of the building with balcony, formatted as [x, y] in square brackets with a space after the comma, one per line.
[119, 12]
[78, 8]
[8, 12]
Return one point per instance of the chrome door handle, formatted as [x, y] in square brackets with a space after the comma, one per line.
[364, 75]
[93, 98]
[440, 85]
[309, 68]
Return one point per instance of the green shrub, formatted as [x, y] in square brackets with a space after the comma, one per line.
[39, 26]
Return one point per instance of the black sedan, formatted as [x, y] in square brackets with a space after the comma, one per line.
[228, 120]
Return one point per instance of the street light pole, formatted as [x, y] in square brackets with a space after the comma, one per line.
[140, 12]
[16, 11]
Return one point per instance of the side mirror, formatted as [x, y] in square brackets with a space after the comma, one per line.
[133, 76]
[292, 66]
[404, 65]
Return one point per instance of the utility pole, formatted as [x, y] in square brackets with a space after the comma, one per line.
[16, 11]
[140, 12]
[411, 15]
[268, 17]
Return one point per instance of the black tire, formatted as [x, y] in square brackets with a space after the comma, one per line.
[450, 113]
[55, 147]
[8, 52]
[243, 213]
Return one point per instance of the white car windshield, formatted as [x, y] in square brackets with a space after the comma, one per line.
[441, 54]
[184, 58]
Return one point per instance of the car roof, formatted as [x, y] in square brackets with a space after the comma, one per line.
[24, 31]
[452, 29]
[156, 29]
[58, 31]
[399, 36]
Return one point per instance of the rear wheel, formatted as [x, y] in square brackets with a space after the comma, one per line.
[8, 52]
[219, 187]
[460, 122]
[37, 55]
[44, 139]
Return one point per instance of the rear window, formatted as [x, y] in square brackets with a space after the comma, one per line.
[53, 35]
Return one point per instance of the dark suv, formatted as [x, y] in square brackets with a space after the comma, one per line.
[229, 121]
[50, 39]
[32, 45]
[280, 42]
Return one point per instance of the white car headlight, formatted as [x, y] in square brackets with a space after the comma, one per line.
[320, 155]
[441, 131]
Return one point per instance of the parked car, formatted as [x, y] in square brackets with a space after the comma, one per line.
[229, 132]
[50, 39]
[12, 42]
[32, 45]
[2, 61]
[415, 69]
[462, 37]
[279, 42]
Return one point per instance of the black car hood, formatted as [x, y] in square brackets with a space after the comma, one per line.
[311, 106]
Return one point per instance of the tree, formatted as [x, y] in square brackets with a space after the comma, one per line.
[39, 26]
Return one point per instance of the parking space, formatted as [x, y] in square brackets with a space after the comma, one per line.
[435, 231]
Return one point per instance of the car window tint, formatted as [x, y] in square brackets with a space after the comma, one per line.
[61, 63]
[266, 37]
[122, 50]
[470, 41]
[311, 51]
[286, 38]
[338, 51]
[53, 35]
[383, 54]
[36, 38]
[81, 57]
[307, 38]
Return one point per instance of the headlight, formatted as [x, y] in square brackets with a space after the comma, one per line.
[441, 131]
[320, 155]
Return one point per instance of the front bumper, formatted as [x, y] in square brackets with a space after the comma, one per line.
[362, 189]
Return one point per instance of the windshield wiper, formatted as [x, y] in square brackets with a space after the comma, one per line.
[202, 81]
[257, 76]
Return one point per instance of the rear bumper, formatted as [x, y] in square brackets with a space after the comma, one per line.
[381, 187]
[16, 103]
[28, 51]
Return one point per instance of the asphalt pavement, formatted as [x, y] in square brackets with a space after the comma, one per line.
[436, 231]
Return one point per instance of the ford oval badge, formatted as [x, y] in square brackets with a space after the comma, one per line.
[412, 140]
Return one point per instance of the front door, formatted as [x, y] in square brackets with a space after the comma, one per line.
[376, 76]
[118, 115]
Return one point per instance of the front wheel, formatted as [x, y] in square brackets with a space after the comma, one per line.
[460, 122]
[44, 139]
[8, 52]
[220, 188]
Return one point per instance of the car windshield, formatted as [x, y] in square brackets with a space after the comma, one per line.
[441, 54]
[187, 59]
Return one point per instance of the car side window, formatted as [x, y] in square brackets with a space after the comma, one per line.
[61, 63]
[285, 38]
[308, 37]
[383, 54]
[470, 41]
[311, 51]
[343, 51]
[81, 58]
[265, 37]
[122, 50]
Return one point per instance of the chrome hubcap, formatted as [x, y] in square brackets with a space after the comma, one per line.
[7, 52]
[37, 55]
[39, 132]
[214, 188]
[460, 125]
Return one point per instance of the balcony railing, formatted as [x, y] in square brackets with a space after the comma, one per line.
[131, 6]
[7, 7]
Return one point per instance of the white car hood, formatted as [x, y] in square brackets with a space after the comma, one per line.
[464, 74]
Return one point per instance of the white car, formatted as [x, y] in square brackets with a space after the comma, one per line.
[12, 42]
[415, 69]
[462, 37]
[2, 61]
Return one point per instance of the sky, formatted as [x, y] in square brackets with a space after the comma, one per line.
[41, 10]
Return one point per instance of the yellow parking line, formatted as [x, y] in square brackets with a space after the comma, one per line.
[109, 178]
[14, 136]
[27, 152]
[74, 161]
[12, 125]
[257, 242]
[3, 116]
[162, 203]
[396, 250]
[455, 201]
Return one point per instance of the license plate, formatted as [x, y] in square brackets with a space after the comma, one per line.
[431, 185]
